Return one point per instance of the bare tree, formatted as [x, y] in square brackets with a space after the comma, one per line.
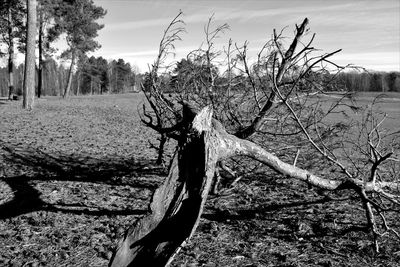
[266, 110]
[164, 113]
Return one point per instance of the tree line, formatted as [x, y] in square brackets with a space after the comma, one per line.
[370, 82]
[76, 20]
[96, 75]
[34, 25]
[190, 73]
[93, 75]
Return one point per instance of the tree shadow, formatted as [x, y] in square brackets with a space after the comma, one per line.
[287, 213]
[246, 214]
[38, 166]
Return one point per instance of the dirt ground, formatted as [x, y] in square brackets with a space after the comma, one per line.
[74, 174]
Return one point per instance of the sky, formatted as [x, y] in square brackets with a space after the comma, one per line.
[368, 32]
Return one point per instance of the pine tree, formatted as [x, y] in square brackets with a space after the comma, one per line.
[78, 20]
[29, 73]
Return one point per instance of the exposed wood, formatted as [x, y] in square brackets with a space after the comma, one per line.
[177, 205]
[230, 145]
[284, 81]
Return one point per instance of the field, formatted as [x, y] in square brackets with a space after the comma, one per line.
[74, 174]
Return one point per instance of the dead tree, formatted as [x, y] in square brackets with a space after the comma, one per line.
[244, 113]
[273, 96]
[177, 205]
[163, 114]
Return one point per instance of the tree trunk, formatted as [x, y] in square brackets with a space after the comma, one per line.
[177, 205]
[40, 69]
[91, 85]
[160, 157]
[70, 72]
[29, 73]
[61, 81]
[269, 104]
[109, 75]
[116, 81]
[10, 55]
[78, 86]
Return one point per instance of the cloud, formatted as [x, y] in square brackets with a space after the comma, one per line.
[135, 54]
[243, 15]
[145, 57]
[354, 26]
[320, 13]
[224, 14]
[137, 24]
[384, 61]
[153, 52]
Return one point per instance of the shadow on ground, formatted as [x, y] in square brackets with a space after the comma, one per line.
[37, 166]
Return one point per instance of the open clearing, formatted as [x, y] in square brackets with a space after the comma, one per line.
[75, 173]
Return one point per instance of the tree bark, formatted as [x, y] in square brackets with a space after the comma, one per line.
[70, 72]
[109, 73]
[287, 59]
[116, 80]
[29, 73]
[176, 205]
[78, 86]
[10, 55]
[91, 85]
[160, 157]
[40, 68]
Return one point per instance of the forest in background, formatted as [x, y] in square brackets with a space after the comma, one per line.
[99, 76]
[75, 72]
[92, 76]
[260, 112]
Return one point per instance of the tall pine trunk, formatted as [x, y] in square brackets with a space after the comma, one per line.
[10, 55]
[40, 70]
[109, 75]
[91, 85]
[29, 73]
[78, 86]
[116, 81]
[69, 82]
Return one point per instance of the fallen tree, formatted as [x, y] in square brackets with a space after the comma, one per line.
[177, 205]
[276, 94]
